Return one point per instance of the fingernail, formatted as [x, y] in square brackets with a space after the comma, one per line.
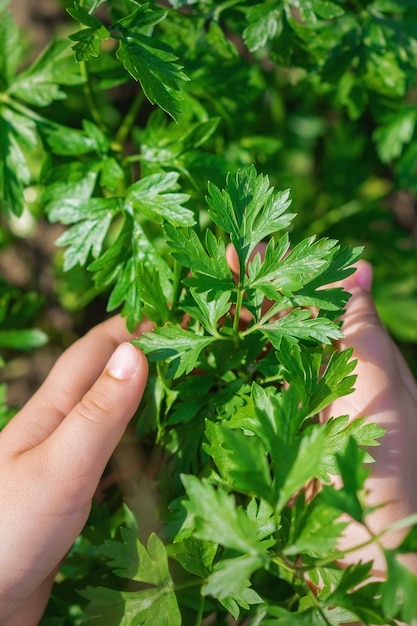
[124, 362]
[364, 276]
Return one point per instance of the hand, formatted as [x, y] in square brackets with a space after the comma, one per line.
[386, 393]
[52, 455]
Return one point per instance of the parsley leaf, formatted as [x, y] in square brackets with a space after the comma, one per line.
[248, 210]
[40, 83]
[148, 607]
[180, 348]
[217, 518]
[88, 39]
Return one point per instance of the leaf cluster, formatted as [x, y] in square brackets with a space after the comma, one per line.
[319, 96]
[245, 514]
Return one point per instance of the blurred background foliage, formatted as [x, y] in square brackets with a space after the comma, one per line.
[318, 94]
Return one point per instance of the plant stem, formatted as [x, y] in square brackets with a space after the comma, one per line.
[239, 302]
[89, 96]
[199, 618]
[176, 285]
[129, 120]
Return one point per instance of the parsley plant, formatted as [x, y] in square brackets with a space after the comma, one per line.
[142, 130]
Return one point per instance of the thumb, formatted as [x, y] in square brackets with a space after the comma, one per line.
[82, 444]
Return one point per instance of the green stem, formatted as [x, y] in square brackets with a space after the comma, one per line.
[176, 285]
[129, 120]
[188, 585]
[89, 96]
[239, 303]
[251, 329]
[199, 617]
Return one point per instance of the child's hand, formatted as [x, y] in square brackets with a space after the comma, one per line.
[52, 455]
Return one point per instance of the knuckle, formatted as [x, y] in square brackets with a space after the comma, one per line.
[94, 405]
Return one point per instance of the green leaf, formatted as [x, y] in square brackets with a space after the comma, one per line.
[88, 39]
[240, 459]
[207, 311]
[362, 600]
[276, 420]
[149, 607]
[167, 145]
[338, 431]
[243, 599]
[155, 68]
[264, 24]
[248, 210]
[303, 466]
[231, 577]
[130, 559]
[120, 265]
[39, 83]
[180, 348]
[196, 556]
[108, 607]
[22, 339]
[394, 133]
[211, 272]
[219, 42]
[262, 514]
[338, 264]
[149, 60]
[315, 529]
[335, 381]
[326, 9]
[67, 141]
[300, 325]
[139, 19]
[349, 499]
[93, 218]
[152, 197]
[83, 17]
[399, 591]
[11, 51]
[292, 271]
[68, 184]
[16, 132]
[112, 175]
[217, 518]
[154, 300]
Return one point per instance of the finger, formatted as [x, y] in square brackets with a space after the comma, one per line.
[80, 365]
[372, 346]
[362, 279]
[73, 374]
[233, 259]
[76, 453]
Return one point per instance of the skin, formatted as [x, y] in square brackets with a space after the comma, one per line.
[386, 393]
[52, 455]
[53, 452]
